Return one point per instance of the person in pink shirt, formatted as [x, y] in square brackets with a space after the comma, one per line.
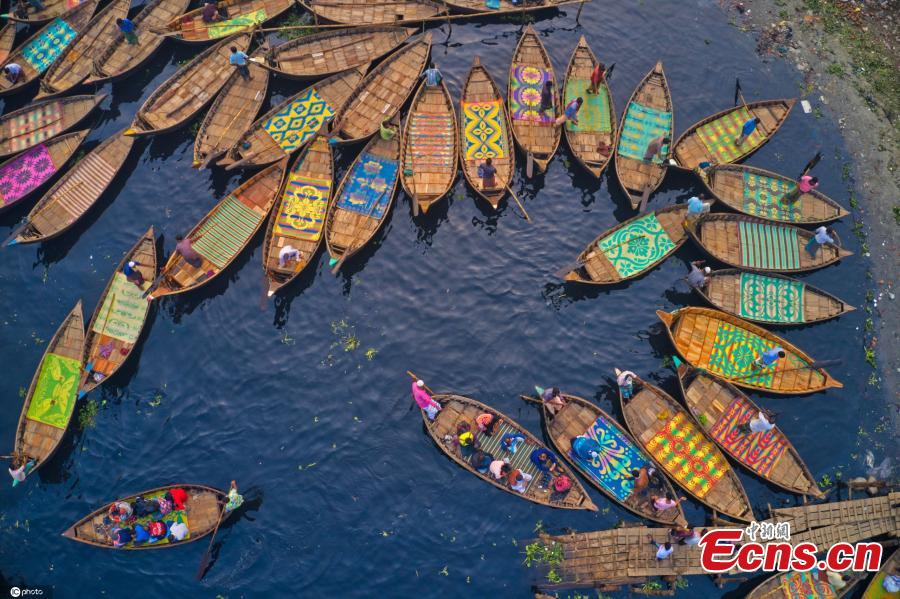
[424, 400]
[805, 185]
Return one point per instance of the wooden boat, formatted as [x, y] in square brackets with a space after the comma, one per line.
[875, 589]
[429, 147]
[506, 6]
[597, 117]
[456, 409]
[47, 45]
[203, 508]
[803, 585]
[611, 472]
[661, 427]
[533, 130]
[758, 245]
[770, 299]
[611, 258]
[119, 318]
[335, 50]
[648, 116]
[381, 93]
[188, 91]
[485, 132]
[222, 234]
[52, 9]
[713, 139]
[373, 12]
[719, 408]
[77, 60]
[7, 40]
[21, 175]
[299, 216]
[757, 192]
[242, 15]
[726, 346]
[230, 114]
[50, 401]
[43, 120]
[120, 58]
[363, 199]
[293, 123]
[75, 193]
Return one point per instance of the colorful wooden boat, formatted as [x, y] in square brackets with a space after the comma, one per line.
[293, 123]
[727, 346]
[720, 408]
[119, 318]
[610, 471]
[21, 175]
[596, 126]
[51, 397]
[43, 120]
[648, 116]
[230, 114]
[52, 9]
[759, 245]
[770, 298]
[429, 147]
[120, 58]
[381, 93]
[45, 47]
[713, 139]
[75, 192]
[222, 234]
[77, 60]
[373, 12]
[757, 192]
[456, 409]
[335, 50]
[242, 15]
[299, 216]
[875, 589]
[532, 129]
[7, 40]
[202, 511]
[363, 199]
[803, 585]
[632, 248]
[683, 450]
[485, 132]
[188, 91]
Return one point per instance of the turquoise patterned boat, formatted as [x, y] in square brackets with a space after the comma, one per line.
[632, 248]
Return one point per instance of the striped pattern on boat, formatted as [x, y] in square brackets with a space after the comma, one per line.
[78, 194]
[768, 246]
[227, 231]
[430, 140]
[521, 459]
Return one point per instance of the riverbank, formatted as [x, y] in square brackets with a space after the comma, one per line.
[849, 55]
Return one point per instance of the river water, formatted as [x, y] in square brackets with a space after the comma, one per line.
[305, 402]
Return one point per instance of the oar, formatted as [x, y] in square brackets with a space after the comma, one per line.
[205, 561]
[521, 207]
[609, 71]
[244, 160]
[531, 399]
[812, 163]
[814, 366]
[645, 197]
[561, 273]
[739, 95]
[350, 249]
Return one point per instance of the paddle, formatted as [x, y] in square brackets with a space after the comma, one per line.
[521, 207]
[561, 273]
[609, 71]
[738, 93]
[645, 197]
[351, 249]
[529, 166]
[812, 163]
[205, 561]
[814, 366]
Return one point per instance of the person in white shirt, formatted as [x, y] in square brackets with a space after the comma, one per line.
[759, 424]
[288, 254]
[663, 550]
[823, 235]
[178, 531]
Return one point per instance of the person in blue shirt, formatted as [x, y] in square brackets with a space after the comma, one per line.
[13, 72]
[133, 274]
[570, 112]
[510, 441]
[432, 76]
[239, 60]
[769, 357]
[747, 130]
[544, 459]
[128, 29]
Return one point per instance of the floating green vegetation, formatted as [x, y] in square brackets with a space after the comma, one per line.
[897, 213]
[299, 20]
[538, 553]
[22, 391]
[652, 585]
[157, 399]
[538, 526]
[869, 325]
[682, 583]
[870, 357]
[873, 380]
[371, 353]
[287, 339]
[87, 415]
[444, 572]
[825, 482]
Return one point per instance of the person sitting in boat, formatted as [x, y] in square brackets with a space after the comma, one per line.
[625, 380]
[510, 441]
[570, 112]
[586, 448]
[21, 10]
[122, 536]
[13, 72]
[655, 149]
[824, 236]
[837, 580]
[432, 76]
[561, 485]
[547, 97]
[177, 496]
[598, 75]
[234, 499]
[481, 461]
[641, 478]
[157, 530]
[747, 130]
[518, 480]
[129, 30]
[696, 207]
[424, 400]
[465, 438]
[545, 460]
[178, 531]
[805, 184]
[553, 399]
[186, 250]
[697, 277]
[145, 507]
[604, 149]
[769, 358]
[18, 473]
[120, 511]
[499, 469]
[132, 274]
[210, 13]
[891, 582]
[141, 535]
[661, 504]
[487, 423]
[487, 171]
[387, 130]
[763, 422]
